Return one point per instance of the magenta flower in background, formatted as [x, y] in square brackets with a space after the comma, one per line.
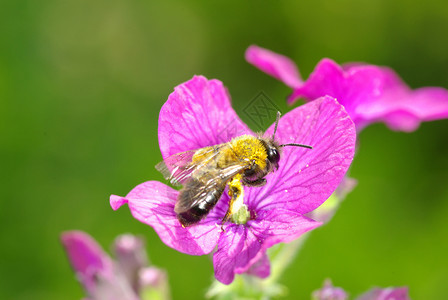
[391, 293]
[102, 278]
[369, 93]
[330, 292]
[198, 114]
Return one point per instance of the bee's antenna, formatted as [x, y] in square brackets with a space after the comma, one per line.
[276, 124]
[297, 145]
[291, 144]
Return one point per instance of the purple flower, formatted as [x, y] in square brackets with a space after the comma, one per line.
[198, 114]
[103, 278]
[369, 93]
[330, 292]
[391, 293]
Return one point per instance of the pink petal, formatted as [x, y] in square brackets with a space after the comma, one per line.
[236, 247]
[345, 187]
[276, 65]
[307, 177]
[403, 110]
[386, 294]
[153, 203]
[197, 114]
[326, 79]
[280, 226]
[330, 292]
[260, 268]
[242, 246]
[369, 93]
[131, 257]
[87, 258]
[117, 289]
[374, 94]
[152, 277]
[351, 87]
[326, 211]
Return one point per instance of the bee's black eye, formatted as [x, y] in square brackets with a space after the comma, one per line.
[273, 156]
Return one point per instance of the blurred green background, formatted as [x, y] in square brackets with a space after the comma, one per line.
[81, 85]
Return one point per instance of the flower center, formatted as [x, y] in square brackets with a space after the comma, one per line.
[241, 215]
[238, 212]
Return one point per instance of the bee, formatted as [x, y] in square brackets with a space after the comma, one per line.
[204, 173]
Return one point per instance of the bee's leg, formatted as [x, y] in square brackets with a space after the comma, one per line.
[235, 193]
[256, 182]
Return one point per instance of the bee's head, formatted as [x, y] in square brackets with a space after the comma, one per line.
[273, 155]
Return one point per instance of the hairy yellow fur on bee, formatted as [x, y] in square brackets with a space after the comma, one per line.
[242, 148]
[247, 147]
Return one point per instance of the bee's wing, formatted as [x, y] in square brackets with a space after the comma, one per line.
[177, 168]
[210, 185]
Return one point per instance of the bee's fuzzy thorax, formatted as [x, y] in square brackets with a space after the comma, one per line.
[250, 148]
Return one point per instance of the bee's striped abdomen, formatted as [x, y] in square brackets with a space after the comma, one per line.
[204, 201]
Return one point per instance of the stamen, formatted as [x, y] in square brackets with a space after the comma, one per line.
[241, 216]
